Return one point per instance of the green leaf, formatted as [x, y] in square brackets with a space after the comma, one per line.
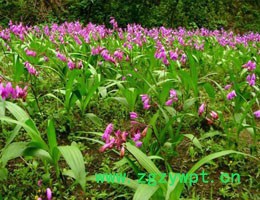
[194, 140]
[75, 160]
[19, 68]
[145, 192]
[36, 152]
[3, 175]
[121, 100]
[51, 134]
[210, 90]
[35, 136]
[12, 151]
[188, 103]
[178, 187]
[94, 118]
[16, 111]
[144, 161]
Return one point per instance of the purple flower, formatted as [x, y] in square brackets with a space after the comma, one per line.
[169, 102]
[250, 65]
[31, 69]
[61, 57]
[231, 95]
[257, 114]
[9, 91]
[30, 53]
[80, 65]
[214, 115]
[107, 132]
[113, 22]
[251, 79]
[137, 136]
[118, 54]
[109, 144]
[133, 115]
[21, 93]
[71, 65]
[145, 100]
[201, 109]
[45, 58]
[173, 55]
[48, 193]
[228, 86]
[183, 58]
[138, 143]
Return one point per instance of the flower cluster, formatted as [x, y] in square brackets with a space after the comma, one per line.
[173, 98]
[61, 57]
[231, 95]
[30, 53]
[117, 139]
[146, 101]
[251, 78]
[250, 65]
[213, 114]
[113, 22]
[31, 69]
[8, 91]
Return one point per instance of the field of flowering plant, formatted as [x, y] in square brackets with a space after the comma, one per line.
[79, 100]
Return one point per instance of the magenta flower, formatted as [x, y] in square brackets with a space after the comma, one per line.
[231, 95]
[61, 57]
[145, 100]
[113, 22]
[107, 132]
[9, 92]
[228, 86]
[257, 114]
[214, 115]
[118, 54]
[30, 53]
[173, 55]
[169, 102]
[48, 193]
[138, 143]
[21, 93]
[109, 144]
[31, 69]
[183, 58]
[201, 109]
[45, 58]
[173, 98]
[251, 79]
[71, 65]
[133, 115]
[137, 136]
[250, 65]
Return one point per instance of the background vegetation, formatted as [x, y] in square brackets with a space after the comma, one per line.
[238, 15]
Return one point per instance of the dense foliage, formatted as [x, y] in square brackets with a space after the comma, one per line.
[237, 15]
[157, 100]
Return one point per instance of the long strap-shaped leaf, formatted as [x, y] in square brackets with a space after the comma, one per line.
[145, 162]
[174, 192]
[75, 160]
